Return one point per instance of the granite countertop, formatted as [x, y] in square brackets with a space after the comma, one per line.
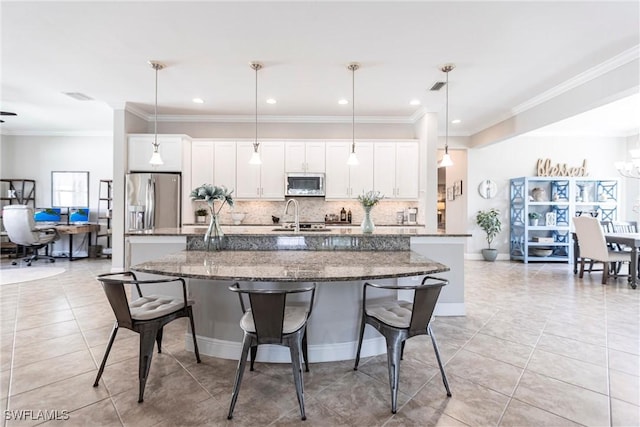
[292, 266]
[268, 230]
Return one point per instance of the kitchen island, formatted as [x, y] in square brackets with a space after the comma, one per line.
[339, 261]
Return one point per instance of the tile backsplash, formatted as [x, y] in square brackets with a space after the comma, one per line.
[313, 210]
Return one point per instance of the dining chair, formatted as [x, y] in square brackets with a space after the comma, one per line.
[593, 246]
[22, 230]
[146, 315]
[399, 320]
[270, 319]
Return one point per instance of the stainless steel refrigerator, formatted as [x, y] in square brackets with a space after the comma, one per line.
[153, 200]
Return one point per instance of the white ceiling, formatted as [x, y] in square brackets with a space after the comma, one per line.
[506, 54]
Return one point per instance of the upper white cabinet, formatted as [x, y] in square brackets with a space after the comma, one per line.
[202, 162]
[305, 156]
[395, 169]
[171, 150]
[213, 162]
[344, 181]
[265, 181]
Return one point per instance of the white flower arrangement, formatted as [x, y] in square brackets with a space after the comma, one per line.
[370, 198]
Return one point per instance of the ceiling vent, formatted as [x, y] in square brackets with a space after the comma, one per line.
[78, 96]
[437, 86]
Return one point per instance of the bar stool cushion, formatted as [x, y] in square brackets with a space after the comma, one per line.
[154, 306]
[391, 312]
[294, 318]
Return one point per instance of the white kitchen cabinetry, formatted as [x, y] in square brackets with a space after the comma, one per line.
[213, 162]
[305, 156]
[265, 181]
[202, 162]
[344, 181]
[396, 169]
[171, 150]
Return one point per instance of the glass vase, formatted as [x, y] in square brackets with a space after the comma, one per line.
[213, 236]
[367, 225]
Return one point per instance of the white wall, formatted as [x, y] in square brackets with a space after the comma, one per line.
[35, 157]
[517, 157]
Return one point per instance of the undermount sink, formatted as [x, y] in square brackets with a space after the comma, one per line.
[303, 230]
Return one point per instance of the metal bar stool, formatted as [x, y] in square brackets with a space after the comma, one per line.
[398, 321]
[146, 315]
[270, 320]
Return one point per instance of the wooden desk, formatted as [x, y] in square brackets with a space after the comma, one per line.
[631, 240]
[72, 229]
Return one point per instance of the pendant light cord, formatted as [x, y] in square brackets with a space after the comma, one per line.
[255, 144]
[155, 114]
[353, 109]
[446, 116]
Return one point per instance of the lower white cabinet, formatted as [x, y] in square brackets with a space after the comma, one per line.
[265, 181]
[343, 181]
[171, 148]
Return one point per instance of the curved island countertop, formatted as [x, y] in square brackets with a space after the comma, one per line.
[292, 266]
[333, 326]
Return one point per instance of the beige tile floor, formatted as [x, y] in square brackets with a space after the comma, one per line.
[538, 347]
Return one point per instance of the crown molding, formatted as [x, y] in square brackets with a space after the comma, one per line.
[580, 79]
[95, 133]
[270, 119]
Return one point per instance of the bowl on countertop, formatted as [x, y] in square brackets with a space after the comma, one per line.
[237, 217]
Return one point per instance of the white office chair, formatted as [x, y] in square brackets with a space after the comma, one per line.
[21, 229]
[593, 246]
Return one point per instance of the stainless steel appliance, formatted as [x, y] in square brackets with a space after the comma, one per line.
[153, 200]
[412, 216]
[304, 184]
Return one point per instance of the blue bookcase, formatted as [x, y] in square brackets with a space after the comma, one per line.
[555, 200]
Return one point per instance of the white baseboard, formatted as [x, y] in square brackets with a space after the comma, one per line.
[279, 354]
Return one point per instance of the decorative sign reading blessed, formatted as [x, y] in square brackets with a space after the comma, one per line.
[545, 169]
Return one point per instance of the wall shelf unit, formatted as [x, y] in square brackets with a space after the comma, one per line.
[105, 200]
[556, 200]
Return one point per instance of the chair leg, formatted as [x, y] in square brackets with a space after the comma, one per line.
[394, 349]
[581, 275]
[147, 341]
[305, 353]
[605, 272]
[246, 344]
[193, 334]
[294, 349]
[254, 354]
[106, 353]
[437, 352]
[159, 340]
[362, 324]
[402, 350]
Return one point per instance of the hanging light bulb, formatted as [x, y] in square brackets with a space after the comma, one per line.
[156, 160]
[255, 156]
[446, 158]
[353, 160]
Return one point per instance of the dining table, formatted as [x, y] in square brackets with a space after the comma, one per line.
[631, 240]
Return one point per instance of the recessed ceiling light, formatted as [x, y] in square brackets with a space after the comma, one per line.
[414, 102]
[456, 121]
[198, 100]
[271, 101]
[343, 102]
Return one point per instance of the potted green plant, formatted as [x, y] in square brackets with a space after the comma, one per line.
[489, 222]
[533, 218]
[201, 215]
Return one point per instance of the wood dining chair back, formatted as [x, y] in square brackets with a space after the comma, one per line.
[624, 227]
[593, 246]
[269, 318]
[146, 315]
[398, 321]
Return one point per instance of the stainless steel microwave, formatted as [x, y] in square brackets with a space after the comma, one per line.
[304, 184]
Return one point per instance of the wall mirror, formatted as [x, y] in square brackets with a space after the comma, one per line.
[69, 189]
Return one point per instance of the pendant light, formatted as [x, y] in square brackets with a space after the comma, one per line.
[353, 160]
[446, 159]
[156, 160]
[255, 156]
